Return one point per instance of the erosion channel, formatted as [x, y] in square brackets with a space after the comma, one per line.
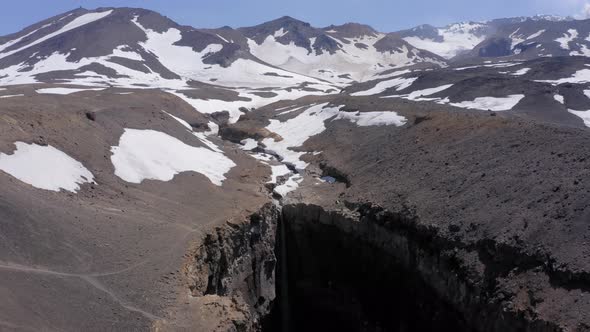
[302, 268]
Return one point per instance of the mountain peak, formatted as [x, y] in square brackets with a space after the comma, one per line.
[281, 22]
[285, 29]
[351, 30]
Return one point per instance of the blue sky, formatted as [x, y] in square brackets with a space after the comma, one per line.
[384, 15]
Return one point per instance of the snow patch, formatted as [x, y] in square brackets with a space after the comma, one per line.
[536, 34]
[10, 96]
[491, 65]
[584, 115]
[221, 37]
[456, 38]
[290, 185]
[249, 144]
[45, 167]
[153, 155]
[418, 94]
[294, 132]
[516, 38]
[495, 104]
[202, 136]
[567, 38]
[63, 91]
[280, 33]
[278, 170]
[399, 83]
[348, 63]
[521, 72]
[365, 119]
[584, 51]
[581, 76]
[122, 53]
[559, 98]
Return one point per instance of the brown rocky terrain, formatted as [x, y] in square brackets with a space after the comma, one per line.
[111, 256]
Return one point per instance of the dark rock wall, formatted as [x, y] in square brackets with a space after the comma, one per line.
[238, 261]
[371, 270]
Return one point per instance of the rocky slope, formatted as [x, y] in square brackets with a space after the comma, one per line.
[105, 251]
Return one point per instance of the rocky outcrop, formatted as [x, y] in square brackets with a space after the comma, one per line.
[399, 274]
[234, 267]
[364, 268]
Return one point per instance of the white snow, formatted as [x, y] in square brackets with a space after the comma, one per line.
[221, 37]
[291, 110]
[584, 115]
[188, 64]
[399, 83]
[559, 98]
[491, 65]
[457, 38]
[249, 144]
[181, 121]
[568, 37]
[64, 91]
[17, 40]
[121, 52]
[584, 51]
[153, 155]
[213, 128]
[202, 136]
[361, 64]
[427, 92]
[263, 157]
[521, 72]
[365, 119]
[74, 24]
[280, 33]
[581, 76]
[45, 167]
[495, 104]
[290, 185]
[294, 132]
[278, 170]
[516, 38]
[10, 96]
[421, 95]
[536, 34]
[214, 105]
[288, 109]
[182, 60]
[392, 74]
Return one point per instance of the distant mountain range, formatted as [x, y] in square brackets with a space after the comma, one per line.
[110, 45]
[255, 66]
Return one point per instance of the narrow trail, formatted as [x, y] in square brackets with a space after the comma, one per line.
[90, 279]
[98, 285]
[9, 325]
